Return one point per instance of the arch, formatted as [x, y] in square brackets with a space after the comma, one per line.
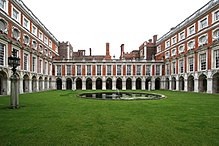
[88, 84]
[3, 25]
[147, 83]
[173, 83]
[40, 83]
[99, 84]
[45, 83]
[69, 84]
[109, 84]
[190, 83]
[215, 83]
[119, 84]
[25, 83]
[3, 83]
[138, 84]
[50, 83]
[59, 84]
[202, 83]
[78, 84]
[157, 84]
[167, 84]
[181, 83]
[128, 84]
[34, 84]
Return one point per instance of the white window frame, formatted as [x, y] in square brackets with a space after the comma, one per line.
[45, 67]
[179, 35]
[50, 68]
[181, 51]
[50, 43]
[5, 8]
[19, 35]
[213, 16]
[172, 40]
[179, 69]
[201, 43]
[77, 69]
[101, 69]
[215, 37]
[28, 23]
[33, 26]
[40, 35]
[111, 67]
[159, 49]
[86, 69]
[126, 70]
[173, 63]
[150, 68]
[213, 61]
[173, 52]
[167, 44]
[26, 43]
[46, 40]
[189, 47]
[5, 63]
[199, 65]
[188, 65]
[188, 30]
[28, 60]
[34, 67]
[56, 68]
[6, 26]
[159, 70]
[199, 23]
[137, 69]
[19, 14]
[167, 54]
[35, 48]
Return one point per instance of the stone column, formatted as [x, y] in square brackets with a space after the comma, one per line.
[14, 92]
[104, 83]
[209, 85]
[196, 82]
[152, 83]
[143, 84]
[149, 86]
[170, 84]
[8, 88]
[114, 83]
[123, 83]
[162, 83]
[177, 82]
[21, 85]
[30, 85]
[37, 85]
[73, 85]
[93, 84]
[133, 83]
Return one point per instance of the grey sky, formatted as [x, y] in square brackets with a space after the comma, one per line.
[91, 23]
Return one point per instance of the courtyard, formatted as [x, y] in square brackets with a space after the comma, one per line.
[63, 118]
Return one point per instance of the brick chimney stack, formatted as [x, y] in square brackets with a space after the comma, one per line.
[107, 57]
[122, 51]
[155, 39]
[90, 52]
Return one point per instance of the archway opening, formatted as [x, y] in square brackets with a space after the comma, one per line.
[25, 83]
[50, 83]
[79, 84]
[88, 84]
[34, 84]
[129, 84]
[109, 84]
[190, 83]
[40, 83]
[45, 83]
[202, 82]
[138, 84]
[59, 84]
[173, 83]
[99, 84]
[167, 84]
[157, 84]
[119, 84]
[215, 83]
[68, 84]
[181, 83]
[3, 83]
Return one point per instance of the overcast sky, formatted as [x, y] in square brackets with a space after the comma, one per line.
[91, 23]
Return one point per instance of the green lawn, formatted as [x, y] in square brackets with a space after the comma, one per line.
[63, 118]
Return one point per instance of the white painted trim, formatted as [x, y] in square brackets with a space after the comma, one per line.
[188, 30]
[213, 16]
[199, 23]
[19, 14]
[5, 63]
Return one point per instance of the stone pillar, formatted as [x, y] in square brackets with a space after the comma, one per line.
[123, 83]
[114, 83]
[73, 85]
[152, 83]
[37, 85]
[104, 83]
[133, 83]
[149, 86]
[93, 84]
[143, 84]
[8, 87]
[209, 85]
[14, 103]
[162, 83]
[47, 85]
[196, 82]
[30, 85]
[170, 84]
[21, 85]
[177, 82]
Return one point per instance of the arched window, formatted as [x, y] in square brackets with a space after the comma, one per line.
[216, 34]
[191, 45]
[34, 44]
[203, 40]
[16, 34]
[26, 40]
[3, 26]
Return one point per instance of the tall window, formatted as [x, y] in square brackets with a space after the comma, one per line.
[34, 44]
[40, 35]
[182, 35]
[191, 45]
[216, 34]
[98, 70]
[68, 70]
[3, 5]
[2, 54]
[216, 15]
[157, 70]
[129, 70]
[203, 40]
[109, 70]
[119, 70]
[181, 48]
[203, 61]
[173, 40]
[25, 61]
[46, 40]
[173, 52]
[173, 67]
[45, 71]
[17, 54]
[79, 70]
[216, 58]
[59, 70]
[34, 30]
[34, 64]
[191, 64]
[41, 65]
[138, 69]
[203, 23]
[181, 66]
[148, 70]
[88, 70]
[16, 14]
[191, 30]
[26, 23]
[167, 69]
[167, 44]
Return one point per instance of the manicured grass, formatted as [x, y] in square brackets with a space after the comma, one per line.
[63, 118]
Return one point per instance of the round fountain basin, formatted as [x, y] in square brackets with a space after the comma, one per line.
[122, 96]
